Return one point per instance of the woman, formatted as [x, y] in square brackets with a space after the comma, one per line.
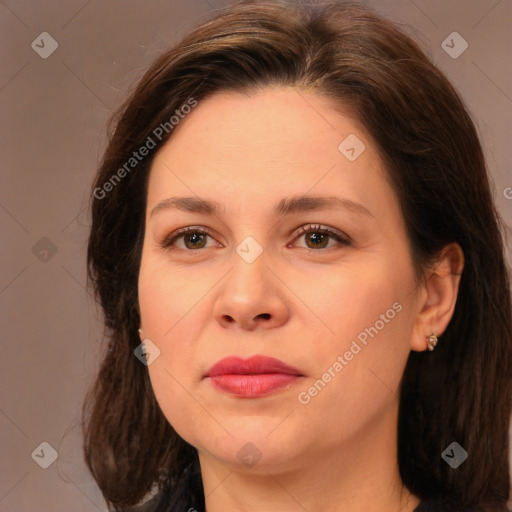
[301, 269]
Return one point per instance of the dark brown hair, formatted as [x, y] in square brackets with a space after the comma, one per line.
[460, 392]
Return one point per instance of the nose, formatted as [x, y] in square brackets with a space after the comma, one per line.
[251, 296]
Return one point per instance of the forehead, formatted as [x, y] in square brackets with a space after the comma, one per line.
[272, 140]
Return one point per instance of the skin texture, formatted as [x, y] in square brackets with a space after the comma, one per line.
[296, 302]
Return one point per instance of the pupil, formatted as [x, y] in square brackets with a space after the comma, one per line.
[318, 237]
[193, 236]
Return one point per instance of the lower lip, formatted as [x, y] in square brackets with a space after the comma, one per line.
[252, 386]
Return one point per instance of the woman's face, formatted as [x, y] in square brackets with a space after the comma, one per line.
[337, 303]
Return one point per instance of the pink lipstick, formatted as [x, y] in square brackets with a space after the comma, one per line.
[252, 378]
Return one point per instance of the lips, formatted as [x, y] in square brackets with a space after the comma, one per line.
[253, 377]
[255, 365]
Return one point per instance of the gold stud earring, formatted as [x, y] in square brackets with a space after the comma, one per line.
[432, 341]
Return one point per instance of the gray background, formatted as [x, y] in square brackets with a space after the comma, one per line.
[53, 116]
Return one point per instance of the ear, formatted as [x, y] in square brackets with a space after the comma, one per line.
[437, 296]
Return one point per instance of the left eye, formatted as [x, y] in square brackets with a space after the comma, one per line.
[316, 235]
[319, 235]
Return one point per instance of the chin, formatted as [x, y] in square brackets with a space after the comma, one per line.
[255, 448]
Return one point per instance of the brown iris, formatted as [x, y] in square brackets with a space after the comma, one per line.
[193, 237]
[322, 237]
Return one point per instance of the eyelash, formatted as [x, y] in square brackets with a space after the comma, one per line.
[343, 239]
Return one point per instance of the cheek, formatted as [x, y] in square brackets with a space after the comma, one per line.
[169, 305]
[369, 318]
[354, 300]
[182, 409]
[166, 297]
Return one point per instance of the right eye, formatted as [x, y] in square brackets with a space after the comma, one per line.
[194, 238]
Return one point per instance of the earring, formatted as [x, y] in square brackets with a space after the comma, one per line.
[432, 341]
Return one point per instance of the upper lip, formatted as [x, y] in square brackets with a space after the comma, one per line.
[255, 365]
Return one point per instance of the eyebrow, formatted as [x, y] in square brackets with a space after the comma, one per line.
[285, 206]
